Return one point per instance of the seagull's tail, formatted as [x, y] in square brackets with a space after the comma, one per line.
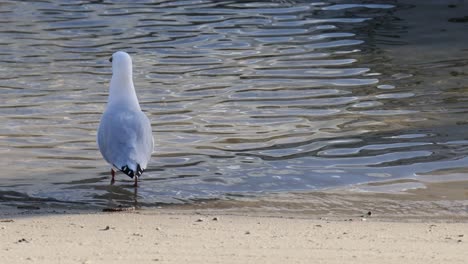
[132, 173]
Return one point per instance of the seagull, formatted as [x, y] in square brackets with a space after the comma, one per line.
[124, 136]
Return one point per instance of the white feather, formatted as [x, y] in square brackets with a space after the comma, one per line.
[124, 136]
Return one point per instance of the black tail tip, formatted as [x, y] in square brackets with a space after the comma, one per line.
[139, 171]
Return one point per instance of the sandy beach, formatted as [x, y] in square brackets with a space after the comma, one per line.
[220, 236]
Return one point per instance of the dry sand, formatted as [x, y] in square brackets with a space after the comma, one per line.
[188, 236]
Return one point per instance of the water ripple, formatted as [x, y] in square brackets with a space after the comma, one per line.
[244, 96]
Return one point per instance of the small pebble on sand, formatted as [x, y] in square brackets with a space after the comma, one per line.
[23, 240]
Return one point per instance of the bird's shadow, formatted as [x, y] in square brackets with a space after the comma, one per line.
[117, 194]
[120, 193]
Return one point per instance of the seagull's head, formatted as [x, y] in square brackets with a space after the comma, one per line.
[121, 62]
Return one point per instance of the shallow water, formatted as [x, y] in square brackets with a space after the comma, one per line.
[244, 97]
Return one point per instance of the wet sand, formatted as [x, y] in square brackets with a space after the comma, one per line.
[225, 236]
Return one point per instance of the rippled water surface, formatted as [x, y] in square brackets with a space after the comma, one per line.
[244, 96]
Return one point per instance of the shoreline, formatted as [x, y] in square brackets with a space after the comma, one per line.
[338, 204]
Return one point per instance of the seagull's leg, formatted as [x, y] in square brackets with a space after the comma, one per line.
[135, 197]
[136, 181]
[113, 175]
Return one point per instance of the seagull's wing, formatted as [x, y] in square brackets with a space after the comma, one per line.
[125, 140]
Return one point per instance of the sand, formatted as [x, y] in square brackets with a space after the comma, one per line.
[220, 236]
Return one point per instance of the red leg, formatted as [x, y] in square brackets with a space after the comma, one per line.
[136, 182]
[113, 175]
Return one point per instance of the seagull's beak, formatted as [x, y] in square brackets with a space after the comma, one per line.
[110, 59]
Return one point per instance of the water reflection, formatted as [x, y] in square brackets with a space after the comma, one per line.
[244, 96]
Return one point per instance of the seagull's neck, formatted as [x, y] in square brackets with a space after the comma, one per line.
[122, 92]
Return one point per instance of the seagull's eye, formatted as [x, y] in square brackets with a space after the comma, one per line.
[110, 59]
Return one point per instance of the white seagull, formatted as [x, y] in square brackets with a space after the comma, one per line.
[124, 136]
